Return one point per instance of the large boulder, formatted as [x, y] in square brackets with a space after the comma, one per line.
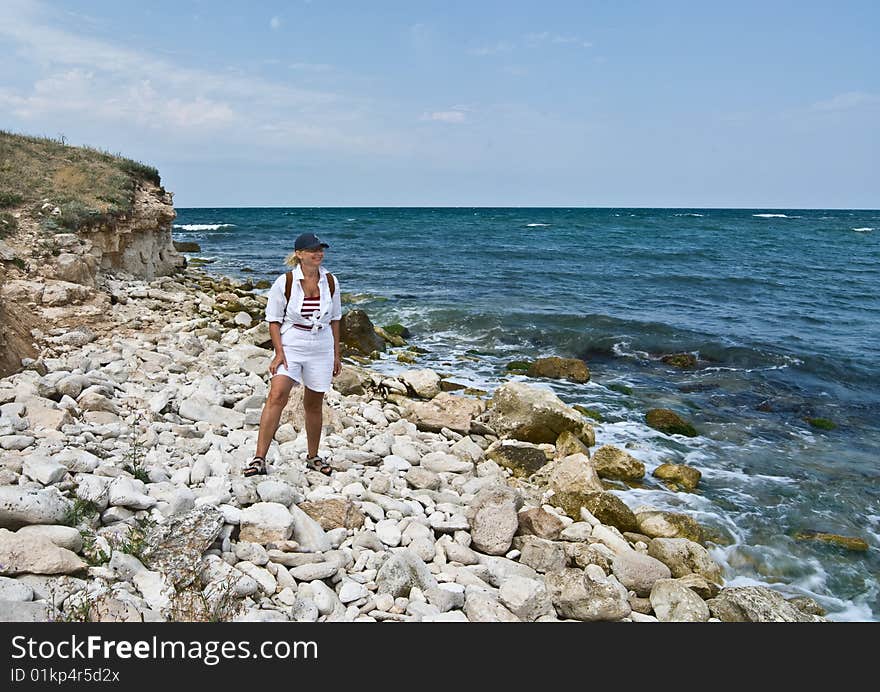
[175, 548]
[756, 604]
[36, 554]
[443, 411]
[19, 507]
[573, 369]
[614, 463]
[357, 332]
[669, 422]
[532, 414]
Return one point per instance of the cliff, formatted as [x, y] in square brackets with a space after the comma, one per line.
[69, 218]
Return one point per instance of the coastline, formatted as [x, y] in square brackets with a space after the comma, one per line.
[148, 423]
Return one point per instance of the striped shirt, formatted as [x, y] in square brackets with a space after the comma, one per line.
[310, 305]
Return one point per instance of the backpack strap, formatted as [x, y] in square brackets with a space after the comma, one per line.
[332, 282]
[288, 285]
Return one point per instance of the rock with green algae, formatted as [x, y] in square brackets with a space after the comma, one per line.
[669, 422]
[518, 366]
[397, 330]
[606, 507]
[523, 459]
[821, 423]
[611, 462]
[848, 542]
[568, 443]
[554, 367]
[589, 413]
[682, 361]
[659, 524]
[678, 476]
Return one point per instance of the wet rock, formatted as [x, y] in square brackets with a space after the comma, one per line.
[678, 476]
[669, 422]
[573, 369]
[614, 463]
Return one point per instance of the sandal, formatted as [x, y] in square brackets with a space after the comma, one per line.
[257, 467]
[319, 465]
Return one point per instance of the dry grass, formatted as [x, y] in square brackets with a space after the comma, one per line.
[91, 187]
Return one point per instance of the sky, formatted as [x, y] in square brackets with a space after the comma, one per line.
[770, 104]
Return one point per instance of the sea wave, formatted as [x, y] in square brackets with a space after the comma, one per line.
[532, 225]
[203, 226]
[775, 216]
[863, 230]
[700, 215]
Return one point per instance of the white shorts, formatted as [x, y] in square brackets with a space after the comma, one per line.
[309, 358]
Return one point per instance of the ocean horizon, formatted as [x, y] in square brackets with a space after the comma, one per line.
[780, 308]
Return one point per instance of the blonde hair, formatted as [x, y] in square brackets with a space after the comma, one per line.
[291, 260]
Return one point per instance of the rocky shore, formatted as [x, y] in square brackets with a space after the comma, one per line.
[122, 498]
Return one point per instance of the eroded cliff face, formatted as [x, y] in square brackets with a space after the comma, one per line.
[54, 282]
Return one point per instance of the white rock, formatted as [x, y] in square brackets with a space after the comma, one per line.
[266, 522]
[388, 532]
[352, 591]
[43, 470]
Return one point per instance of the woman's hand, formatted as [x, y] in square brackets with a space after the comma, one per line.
[337, 365]
[279, 359]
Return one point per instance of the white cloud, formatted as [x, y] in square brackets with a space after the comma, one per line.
[846, 101]
[90, 81]
[275, 23]
[544, 37]
[310, 67]
[452, 116]
[500, 47]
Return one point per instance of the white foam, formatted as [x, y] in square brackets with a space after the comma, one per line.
[863, 230]
[700, 215]
[774, 216]
[532, 225]
[202, 226]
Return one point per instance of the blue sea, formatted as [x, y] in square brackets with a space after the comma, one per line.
[781, 308]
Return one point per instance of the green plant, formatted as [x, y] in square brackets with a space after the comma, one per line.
[10, 199]
[91, 553]
[135, 540]
[78, 511]
[201, 601]
[134, 459]
[621, 389]
[8, 223]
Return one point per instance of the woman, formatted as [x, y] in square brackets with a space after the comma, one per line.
[303, 313]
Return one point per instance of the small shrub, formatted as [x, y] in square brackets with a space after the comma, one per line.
[80, 510]
[8, 223]
[10, 199]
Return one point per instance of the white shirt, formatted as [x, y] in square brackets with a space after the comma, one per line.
[330, 308]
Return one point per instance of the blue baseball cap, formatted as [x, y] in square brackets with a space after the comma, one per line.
[307, 241]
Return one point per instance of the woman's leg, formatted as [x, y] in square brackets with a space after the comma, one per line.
[312, 402]
[279, 393]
